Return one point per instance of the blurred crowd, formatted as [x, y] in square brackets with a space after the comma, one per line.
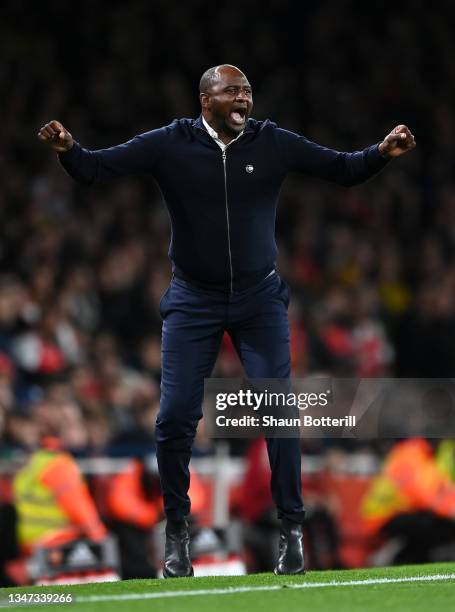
[82, 270]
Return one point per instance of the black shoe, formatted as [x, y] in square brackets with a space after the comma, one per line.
[291, 559]
[177, 562]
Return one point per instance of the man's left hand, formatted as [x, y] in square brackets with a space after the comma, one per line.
[399, 141]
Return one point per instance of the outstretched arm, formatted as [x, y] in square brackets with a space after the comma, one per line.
[347, 169]
[132, 157]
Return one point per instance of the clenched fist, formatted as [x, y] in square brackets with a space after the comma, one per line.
[399, 141]
[56, 136]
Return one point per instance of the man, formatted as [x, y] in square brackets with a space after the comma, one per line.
[52, 500]
[220, 176]
[411, 502]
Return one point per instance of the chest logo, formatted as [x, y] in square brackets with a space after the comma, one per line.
[249, 168]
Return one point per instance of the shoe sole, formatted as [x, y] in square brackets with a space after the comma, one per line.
[167, 575]
[300, 572]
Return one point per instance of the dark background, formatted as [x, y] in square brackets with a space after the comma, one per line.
[82, 270]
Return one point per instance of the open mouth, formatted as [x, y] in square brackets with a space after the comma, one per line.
[238, 115]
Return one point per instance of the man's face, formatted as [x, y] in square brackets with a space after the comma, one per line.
[228, 103]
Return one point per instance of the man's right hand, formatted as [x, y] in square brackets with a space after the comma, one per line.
[56, 136]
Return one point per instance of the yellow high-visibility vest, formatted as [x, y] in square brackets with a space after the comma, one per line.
[384, 499]
[412, 478]
[37, 509]
[445, 458]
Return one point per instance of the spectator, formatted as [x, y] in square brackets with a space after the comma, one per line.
[412, 505]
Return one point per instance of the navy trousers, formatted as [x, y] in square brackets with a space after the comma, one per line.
[194, 321]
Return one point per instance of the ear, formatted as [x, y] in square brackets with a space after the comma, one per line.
[205, 100]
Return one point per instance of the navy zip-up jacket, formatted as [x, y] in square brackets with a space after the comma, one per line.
[222, 205]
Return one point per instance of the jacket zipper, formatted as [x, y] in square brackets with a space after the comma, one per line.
[227, 223]
[223, 154]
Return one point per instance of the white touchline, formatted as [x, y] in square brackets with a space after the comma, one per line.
[252, 589]
[246, 589]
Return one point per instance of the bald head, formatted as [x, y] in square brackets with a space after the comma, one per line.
[213, 75]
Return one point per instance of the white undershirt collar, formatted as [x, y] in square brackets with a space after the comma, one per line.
[214, 135]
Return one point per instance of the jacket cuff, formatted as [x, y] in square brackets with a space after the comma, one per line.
[68, 157]
[375, 159]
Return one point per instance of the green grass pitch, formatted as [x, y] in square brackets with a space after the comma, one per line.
[417, 588]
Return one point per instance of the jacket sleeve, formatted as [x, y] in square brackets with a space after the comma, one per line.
[127, 502]
[140, 154]
[300, 154]
[64, 479]
[413, 468]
